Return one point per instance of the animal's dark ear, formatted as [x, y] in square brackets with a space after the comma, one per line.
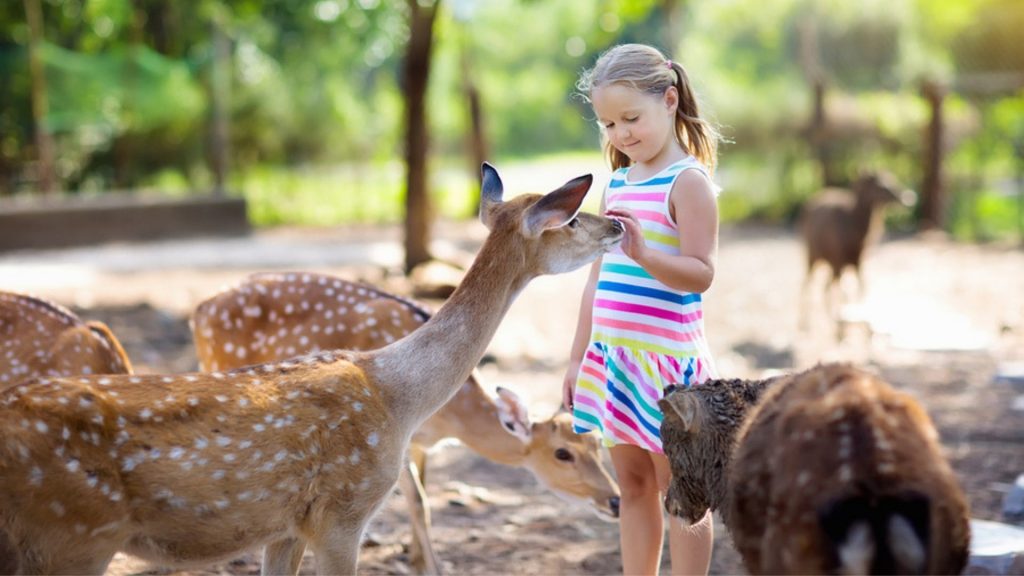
[686, 406]
[557, 208]
[491, 192]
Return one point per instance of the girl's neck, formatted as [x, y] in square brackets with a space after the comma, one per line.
[671, 153]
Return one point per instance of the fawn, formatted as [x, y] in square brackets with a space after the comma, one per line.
[271, 316]
[195, 468]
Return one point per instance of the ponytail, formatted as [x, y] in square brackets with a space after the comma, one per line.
[697, 136]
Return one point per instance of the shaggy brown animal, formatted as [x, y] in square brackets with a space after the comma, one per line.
[838, 225]
[830, 471]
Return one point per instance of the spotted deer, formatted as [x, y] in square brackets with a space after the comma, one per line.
[197, 468]
[272, 316]
[41, 338]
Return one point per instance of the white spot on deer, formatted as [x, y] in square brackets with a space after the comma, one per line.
[372, 439]
[57, 508]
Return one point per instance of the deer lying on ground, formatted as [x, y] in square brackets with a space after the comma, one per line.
[829, 471]
[41, 338]
[274, 316]
[839, 224]
[197, 468]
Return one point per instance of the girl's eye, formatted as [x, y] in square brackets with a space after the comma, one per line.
[633, 119]
[609, 125]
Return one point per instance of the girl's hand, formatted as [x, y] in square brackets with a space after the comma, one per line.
[569, 385]
[633, 244]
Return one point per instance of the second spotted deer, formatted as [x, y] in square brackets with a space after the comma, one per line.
[273, 316]
[191, 469]
[41, 338]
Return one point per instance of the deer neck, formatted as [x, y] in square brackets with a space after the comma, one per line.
[421, 372]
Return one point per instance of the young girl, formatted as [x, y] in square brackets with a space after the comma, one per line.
[640, 326]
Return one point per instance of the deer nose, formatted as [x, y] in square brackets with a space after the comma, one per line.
[618, 226]
[613, 503]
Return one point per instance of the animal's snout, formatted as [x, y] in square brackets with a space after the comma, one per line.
[613, 504]
[618, 226]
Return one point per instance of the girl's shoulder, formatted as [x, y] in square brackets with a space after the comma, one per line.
[693, 174]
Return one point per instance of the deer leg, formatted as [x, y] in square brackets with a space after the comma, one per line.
[804, 298]
[421, 552]
[283, 557]
[834, 301]
[337, 549]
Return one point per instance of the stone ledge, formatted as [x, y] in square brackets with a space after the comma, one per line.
[65, 222]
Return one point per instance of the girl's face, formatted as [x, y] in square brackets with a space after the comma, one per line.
[638, 124]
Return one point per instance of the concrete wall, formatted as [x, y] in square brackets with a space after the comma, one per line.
[43, 223]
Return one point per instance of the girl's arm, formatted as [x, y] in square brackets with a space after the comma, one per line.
[583, 327]
[695, 210]
[582, 337]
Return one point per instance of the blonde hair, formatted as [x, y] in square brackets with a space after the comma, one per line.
[646, 69]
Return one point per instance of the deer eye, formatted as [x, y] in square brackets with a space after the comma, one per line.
[574, 223]
[563, 455]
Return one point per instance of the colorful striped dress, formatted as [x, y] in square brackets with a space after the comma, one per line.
[645, 335]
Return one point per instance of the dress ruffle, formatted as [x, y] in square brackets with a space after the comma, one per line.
[618, 388]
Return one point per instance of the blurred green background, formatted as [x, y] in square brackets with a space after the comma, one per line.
[308, 98]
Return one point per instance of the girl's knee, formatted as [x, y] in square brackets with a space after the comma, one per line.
[633, 485]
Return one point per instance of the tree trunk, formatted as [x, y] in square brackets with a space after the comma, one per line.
[416, 74]
[40, 98]
[820, 136]
[476, 139]
[220, 89]
[672, 25]
[932, 201]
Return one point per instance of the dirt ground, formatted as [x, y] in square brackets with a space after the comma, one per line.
[939, 320]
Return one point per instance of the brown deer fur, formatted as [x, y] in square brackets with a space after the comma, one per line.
[41, 338]
[196, 468]
[830, 471]
[271, 316]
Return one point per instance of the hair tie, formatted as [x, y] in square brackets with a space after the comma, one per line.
[668, 64]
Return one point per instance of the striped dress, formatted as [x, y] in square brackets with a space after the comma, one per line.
[645, 335]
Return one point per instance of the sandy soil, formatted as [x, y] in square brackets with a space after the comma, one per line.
[940, 320]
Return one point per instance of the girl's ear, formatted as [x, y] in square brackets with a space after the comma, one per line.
[672, 99]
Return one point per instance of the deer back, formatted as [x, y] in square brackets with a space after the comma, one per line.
[41, 338]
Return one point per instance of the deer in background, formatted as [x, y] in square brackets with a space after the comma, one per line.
[41, 338]
[838, 224]
[190, 469]
[273, 316]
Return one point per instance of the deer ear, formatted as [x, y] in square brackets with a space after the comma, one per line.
[103, 332]
[491, 192]
[514, 415]
[557, 208]
[686, 406]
